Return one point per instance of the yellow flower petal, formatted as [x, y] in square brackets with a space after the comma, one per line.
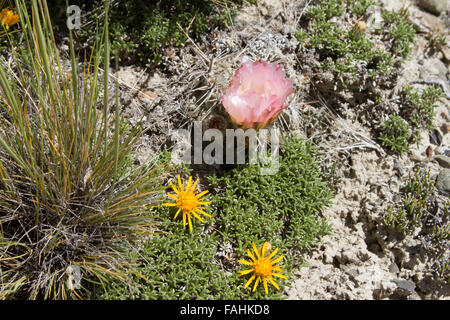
[197, 216]
[250, 255]
[176, 214]
[265, 285]
[256, 251]
[171, 204]
[205, 213]
[195, 184]
[181, 186]
[256, 283]
[244, 272]
[277, 259]
[279, 275]
[263, 250]
[201, 194]
[189, 183]
[249, 281]
[273, 283]
[190, 223]
[246, 262]
[277, 268]
[173, 187]
[272, 254]
[172, 196]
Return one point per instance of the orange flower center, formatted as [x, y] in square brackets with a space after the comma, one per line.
[187, 202]
[263, 267]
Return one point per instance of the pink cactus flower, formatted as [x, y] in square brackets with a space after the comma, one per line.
[257, 94]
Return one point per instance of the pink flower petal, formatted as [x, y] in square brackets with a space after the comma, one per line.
[257, 93]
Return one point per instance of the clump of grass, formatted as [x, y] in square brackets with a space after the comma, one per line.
[395, 134]
[63, 202]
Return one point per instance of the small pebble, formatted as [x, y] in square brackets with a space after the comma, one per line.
[407, 285]
[435, 137]
[361, 25]
[443, 161]
[443, 182]
[429, 152]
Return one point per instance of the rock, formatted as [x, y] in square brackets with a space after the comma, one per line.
[347, 256]
[270, 7]
[393, 268]
[414, 296]
[405, 287]
[352, 272]
[443, 181]
[436, 137]
[429, 152]
[434, 6]
[425, 22]
[427, 285]
[433, 68]
[416, 156]
[375, 20]
[361, 25]
[446, 52]
[443, 161]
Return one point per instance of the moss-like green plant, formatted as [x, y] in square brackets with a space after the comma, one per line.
[418, 108]
[416, 205]
[417, 210]
[437, 40]
[395, 134]
[176, 264]
[344, 51]
[141, 30]
[359, 7]
[283, 209]
[400, 30]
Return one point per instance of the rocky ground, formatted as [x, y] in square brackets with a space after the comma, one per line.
[360, 259]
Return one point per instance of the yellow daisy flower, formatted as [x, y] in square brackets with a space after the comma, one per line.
[263, 267]
[187, 201]
[8, 18]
